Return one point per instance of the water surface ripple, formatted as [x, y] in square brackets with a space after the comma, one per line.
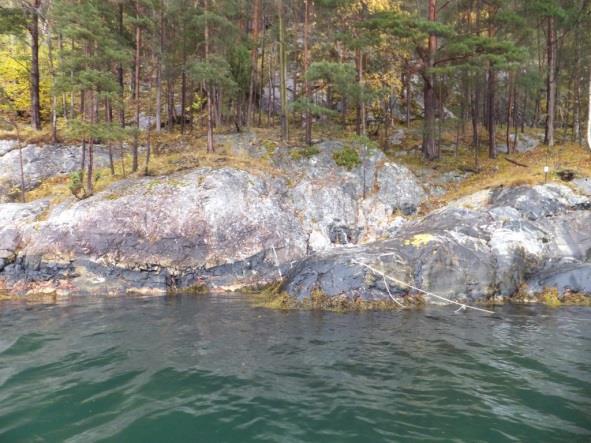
[216, 369]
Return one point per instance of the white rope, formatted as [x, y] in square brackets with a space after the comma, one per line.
[390, 294]
[277, 262]
[461, 305]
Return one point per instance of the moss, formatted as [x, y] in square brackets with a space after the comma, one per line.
[273, 298]
[270, 296]
[576, 299]
[347, 157]
[549, 297]
[303, 153]
[112, 196]
[197, 289]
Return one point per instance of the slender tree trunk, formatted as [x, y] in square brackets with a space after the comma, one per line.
[170, 102]
[120, 78]
[210, 110]
[53, 91]
[20, 159]
[282, 73]
[551, 82]
[111, 160]
[510, 97]
[159, 72]
[90, 171]
[183, 97]
[491, 123]
[256, 13]
[577, 132]
[308, 116]
[589, 114]
[148, 150]
[408, 95]
[360, 125]
[261, 80]
[34, 76]
[271, 104]
[430, 148]
[138, 49]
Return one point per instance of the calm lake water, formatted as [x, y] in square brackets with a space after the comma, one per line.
[217, 369]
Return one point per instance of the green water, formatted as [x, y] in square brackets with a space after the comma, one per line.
[216, 369]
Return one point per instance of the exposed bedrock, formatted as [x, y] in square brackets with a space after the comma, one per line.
[482, 247]
[222, 228]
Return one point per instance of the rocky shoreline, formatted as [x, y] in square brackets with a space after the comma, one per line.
[313, 231]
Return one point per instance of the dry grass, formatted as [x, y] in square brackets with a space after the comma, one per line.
[500, 172]
[174, 152]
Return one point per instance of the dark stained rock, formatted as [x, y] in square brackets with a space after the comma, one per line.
[475, 249]
[223, 228]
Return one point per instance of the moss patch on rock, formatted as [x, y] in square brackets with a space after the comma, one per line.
[347, 157]
[273, 298]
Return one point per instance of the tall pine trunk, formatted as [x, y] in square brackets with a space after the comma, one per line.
[551, 82]
[159, 71]
[256, 13]
[589, 114]
[430, 148]
[308, 116]
[120, 78]
[210, 145]
[282, 73]
[137, 61]
[360, 111]
[34, 76]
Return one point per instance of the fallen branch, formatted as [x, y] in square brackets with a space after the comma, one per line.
[516, 163]
[462, 306]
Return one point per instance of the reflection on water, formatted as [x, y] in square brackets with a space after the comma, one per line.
[216, 369]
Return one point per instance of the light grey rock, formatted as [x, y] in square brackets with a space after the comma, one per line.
[13, 216]
[221, 227]
[525, 143]
[480, 248]
[42, 162]
[7, 146]
[583, 185]
[397, 137]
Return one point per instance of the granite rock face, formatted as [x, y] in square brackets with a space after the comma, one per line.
[40, 163]
[222, 228]
[482, 247]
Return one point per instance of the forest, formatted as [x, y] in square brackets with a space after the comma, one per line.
[124, 71]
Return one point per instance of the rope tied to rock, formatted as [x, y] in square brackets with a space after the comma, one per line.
[462, 306]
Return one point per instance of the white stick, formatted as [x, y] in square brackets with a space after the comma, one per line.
[461, 305]
[277, 262]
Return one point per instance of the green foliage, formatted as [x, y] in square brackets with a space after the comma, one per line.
[240, 67]
[305, 152]
[102, 132]
[302, 105]
[215, 72]
[347, 157]
[75, 184]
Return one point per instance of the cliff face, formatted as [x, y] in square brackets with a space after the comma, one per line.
[481, 247]
[222, 228]
[309, 222]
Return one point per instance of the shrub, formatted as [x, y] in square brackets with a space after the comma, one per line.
[301, 153]
[75, 185]
[347, 157]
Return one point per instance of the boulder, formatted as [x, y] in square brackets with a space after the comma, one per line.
[525, 143]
